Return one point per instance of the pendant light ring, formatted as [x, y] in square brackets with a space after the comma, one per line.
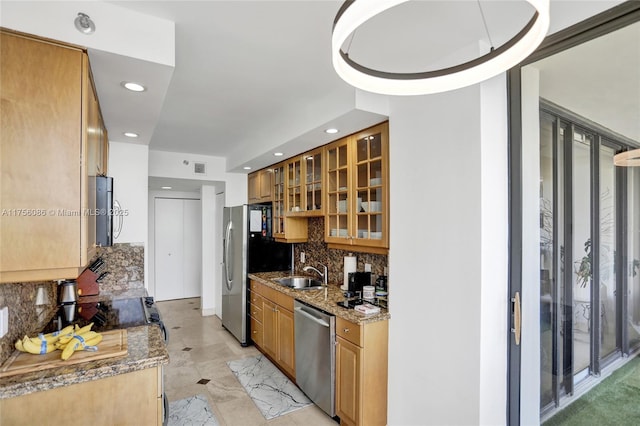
[354, 13]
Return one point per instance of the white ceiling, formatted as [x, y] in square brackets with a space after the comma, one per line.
[253, 77]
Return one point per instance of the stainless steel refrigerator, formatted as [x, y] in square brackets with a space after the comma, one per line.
[248, 246]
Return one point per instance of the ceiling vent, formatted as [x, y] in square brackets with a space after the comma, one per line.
[199, 168]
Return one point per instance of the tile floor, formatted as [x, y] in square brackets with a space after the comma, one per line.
[199, 348]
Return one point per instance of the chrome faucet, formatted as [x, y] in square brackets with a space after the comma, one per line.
[325, 275]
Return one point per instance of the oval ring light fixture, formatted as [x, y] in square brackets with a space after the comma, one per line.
[354, 13]
[627, 158]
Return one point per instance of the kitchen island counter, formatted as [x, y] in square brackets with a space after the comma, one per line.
[316, 298]
[146, 349]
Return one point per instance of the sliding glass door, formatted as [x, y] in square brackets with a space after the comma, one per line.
[631, 267]
[574, 101]
[583, 253]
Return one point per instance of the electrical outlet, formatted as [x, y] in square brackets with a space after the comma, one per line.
[4, 321]
[367, 267]
[302, 257]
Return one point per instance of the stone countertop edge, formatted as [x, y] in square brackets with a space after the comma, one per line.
[146, 349]
[316, 298]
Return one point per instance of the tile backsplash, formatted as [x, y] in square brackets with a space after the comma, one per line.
[31, 306]
[317, 252]
[125, 264]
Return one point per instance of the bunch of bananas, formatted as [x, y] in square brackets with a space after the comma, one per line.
[68, 340]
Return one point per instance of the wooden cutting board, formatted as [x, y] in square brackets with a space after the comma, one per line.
[114, 344]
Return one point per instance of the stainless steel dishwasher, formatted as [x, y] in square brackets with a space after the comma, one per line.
[315, 332]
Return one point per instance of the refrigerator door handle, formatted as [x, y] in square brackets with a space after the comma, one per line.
[228, 261]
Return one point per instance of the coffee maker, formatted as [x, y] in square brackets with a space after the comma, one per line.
[357, 280]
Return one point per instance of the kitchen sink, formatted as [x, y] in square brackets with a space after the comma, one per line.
[299, 283]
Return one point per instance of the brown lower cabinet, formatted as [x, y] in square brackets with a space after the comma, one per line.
[361, 355]
[274, 334]
[125, 399]
[361, 372]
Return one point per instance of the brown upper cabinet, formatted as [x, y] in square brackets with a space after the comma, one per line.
[345, 181]
[49, 117]
[304, 186]
[286, 228]
[357, 191]
[260, 186]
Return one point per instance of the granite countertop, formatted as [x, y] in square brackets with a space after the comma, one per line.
[146, 349]
[317, 299]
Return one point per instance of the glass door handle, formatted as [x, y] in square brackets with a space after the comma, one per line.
[517, 318]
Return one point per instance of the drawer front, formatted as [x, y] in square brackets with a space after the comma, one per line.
[256, 311]
[285, 301]
[256, 332]
[256, 287]
[255, 298]
[349, 331]
[269, 293]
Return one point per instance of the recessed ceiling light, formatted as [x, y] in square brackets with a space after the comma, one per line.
[166, 187]
[131, 134]
[84, 24]
[134, 87]
[331, 131]
[247, 168]
[278, 154]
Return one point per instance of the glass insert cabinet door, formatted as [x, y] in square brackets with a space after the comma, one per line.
[294, 185]
[357, 189]
[337, 183]
[279, 209]
[313, 181]
[370, 202]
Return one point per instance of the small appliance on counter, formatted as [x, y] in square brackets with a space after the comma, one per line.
[357, 280]
[67, 297]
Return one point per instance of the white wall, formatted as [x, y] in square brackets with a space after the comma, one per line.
[210, 226]
[218, 247]
[128, 165]
[172, 165]
[233, 190]
[494, 249]
[436, 263]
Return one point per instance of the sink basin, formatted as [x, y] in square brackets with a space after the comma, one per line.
[299, 283]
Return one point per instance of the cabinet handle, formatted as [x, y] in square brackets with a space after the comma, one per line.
[346, 330]
[255, 331]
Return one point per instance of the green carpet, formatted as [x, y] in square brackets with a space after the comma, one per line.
[615, 401]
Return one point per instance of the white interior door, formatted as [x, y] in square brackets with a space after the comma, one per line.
[192, 244]
[169, 253]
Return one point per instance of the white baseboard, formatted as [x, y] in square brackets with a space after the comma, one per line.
[208, 312]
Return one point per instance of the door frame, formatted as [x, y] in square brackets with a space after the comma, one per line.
[610, 20]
